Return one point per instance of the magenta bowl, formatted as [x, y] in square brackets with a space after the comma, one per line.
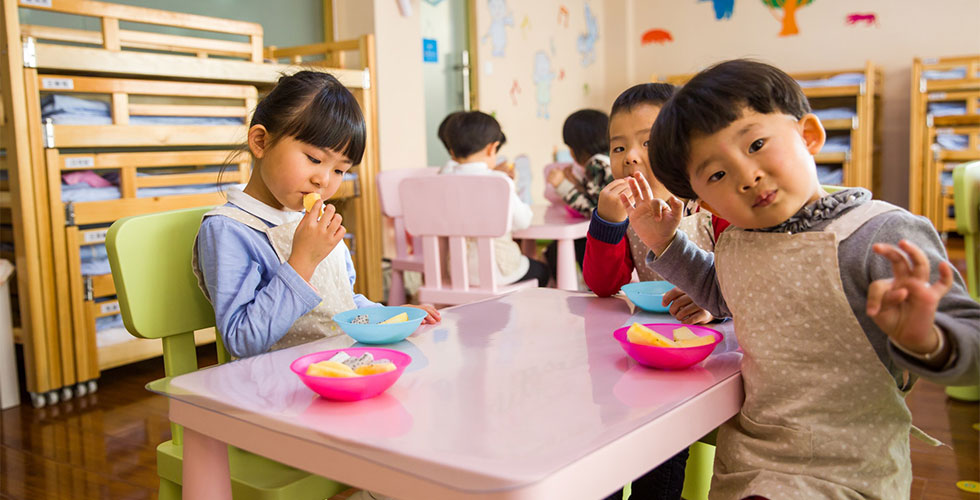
[573, 213]
[351, 388]
[668, 358]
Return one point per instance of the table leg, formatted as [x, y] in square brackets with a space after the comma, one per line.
[566, 275]
[205, 467]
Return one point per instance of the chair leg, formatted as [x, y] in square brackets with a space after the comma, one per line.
[169, 490]
[396, 294]
[697, 474]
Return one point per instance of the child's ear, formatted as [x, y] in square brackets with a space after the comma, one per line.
[813, 133]
[491, 149]
[258, 138]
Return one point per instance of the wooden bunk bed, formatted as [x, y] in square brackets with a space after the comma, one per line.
[848, 103]
[136, 73]
[944, 131]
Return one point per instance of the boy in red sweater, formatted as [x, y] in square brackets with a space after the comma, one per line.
[612, 248]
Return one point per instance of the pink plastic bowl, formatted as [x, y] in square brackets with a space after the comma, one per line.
[668, 358]
[574, 213]
[351, 388]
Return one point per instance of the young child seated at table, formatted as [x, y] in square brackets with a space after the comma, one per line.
[473, 139]
[586, 133]
[613, 251]
[276, 276]
[836, 298]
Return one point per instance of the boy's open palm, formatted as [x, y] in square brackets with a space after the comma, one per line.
[315, 238]
[654, 220]
[904, 306]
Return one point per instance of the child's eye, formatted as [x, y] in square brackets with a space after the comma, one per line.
[716, 176]
[339, 172]
[617, 149]
[646, 144]
[314, 160]
[757, 145]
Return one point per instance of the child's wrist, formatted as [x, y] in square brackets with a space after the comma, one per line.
[936, 356]
[659, 249]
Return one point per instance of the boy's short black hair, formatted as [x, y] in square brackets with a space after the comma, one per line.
[654, 94]
[471, 131]
[711, 101]
[586, 132]
[441, 132]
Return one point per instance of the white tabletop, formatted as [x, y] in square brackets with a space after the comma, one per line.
[503, 394]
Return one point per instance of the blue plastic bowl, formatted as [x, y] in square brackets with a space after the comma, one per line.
[374, 333]
[647, 295]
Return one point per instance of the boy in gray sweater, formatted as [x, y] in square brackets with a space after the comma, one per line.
[835, 297]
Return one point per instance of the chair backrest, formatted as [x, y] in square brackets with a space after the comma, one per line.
[391, 203]
[457, 207]
[966, 202]
[150, 258]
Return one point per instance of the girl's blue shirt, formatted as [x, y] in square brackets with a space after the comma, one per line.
[256, 298]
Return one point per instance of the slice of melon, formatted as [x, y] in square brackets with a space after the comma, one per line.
[639, 334]
[398, 318]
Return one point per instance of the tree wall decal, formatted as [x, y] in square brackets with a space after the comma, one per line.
[789, 8]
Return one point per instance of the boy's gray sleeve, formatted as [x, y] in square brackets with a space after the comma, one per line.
[692, 270]
[957, 315]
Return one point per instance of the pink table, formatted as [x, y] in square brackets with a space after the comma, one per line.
[553, 222]
[525, 396]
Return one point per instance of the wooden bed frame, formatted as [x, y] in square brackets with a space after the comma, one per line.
[122, 63]
[860, 163]
[926, 196]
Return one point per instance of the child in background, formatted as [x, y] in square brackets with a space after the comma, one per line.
[613, 250]
[830, 331]
[441, 132]
[474, 138]
[586, 133]
[275, 276]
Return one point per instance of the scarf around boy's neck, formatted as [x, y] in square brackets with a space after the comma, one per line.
[826, 208]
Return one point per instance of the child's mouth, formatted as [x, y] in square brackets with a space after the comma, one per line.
[765, 199]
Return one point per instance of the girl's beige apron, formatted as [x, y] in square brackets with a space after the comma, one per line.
[696, 226]
[840, 433]
[330, 280]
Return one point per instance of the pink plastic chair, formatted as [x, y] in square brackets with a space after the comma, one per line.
[391, 206]
[458, 207]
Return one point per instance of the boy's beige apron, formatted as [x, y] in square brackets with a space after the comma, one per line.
[840, 432]
[330, 280]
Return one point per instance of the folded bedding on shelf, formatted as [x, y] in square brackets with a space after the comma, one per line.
[837, 144]
[952, 142]
[841, 113]
[70, 110]
[944, 74]
[830, 174]
[952, 108]
[839, 80]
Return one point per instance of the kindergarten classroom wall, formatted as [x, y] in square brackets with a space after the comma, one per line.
[830, 35]
[537, 63]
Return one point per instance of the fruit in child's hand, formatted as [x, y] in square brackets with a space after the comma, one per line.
[374, 368]
[639, 334]
[309, 199]
[330, 369]
[399, 318]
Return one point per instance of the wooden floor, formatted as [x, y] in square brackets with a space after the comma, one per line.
[103, 445]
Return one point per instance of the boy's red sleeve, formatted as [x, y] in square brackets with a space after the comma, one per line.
[606, 266]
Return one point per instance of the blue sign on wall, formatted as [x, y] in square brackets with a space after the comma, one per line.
[430, 50]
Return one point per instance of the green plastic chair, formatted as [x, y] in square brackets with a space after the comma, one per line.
[966, 203]
[150, 257]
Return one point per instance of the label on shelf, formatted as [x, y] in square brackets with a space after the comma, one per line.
[930, 60]
[95, 236]
[80, 162]
[57, 83]
[37, 3]
[109, 307]
[937, 95]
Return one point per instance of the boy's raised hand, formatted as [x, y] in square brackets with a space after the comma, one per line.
[654, 220]
[315, 237]
[904, 306]
[609, 206]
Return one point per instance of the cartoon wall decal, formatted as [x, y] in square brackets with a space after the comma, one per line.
[563, 16]
[586, 42]
[500, 18]
[543, 75]
[868, 18]
[525, 26]
[656, 36]
[551, 42]
[789, 8]
[561, 74]
[515, 89]
[723, 8]
[585, 88]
